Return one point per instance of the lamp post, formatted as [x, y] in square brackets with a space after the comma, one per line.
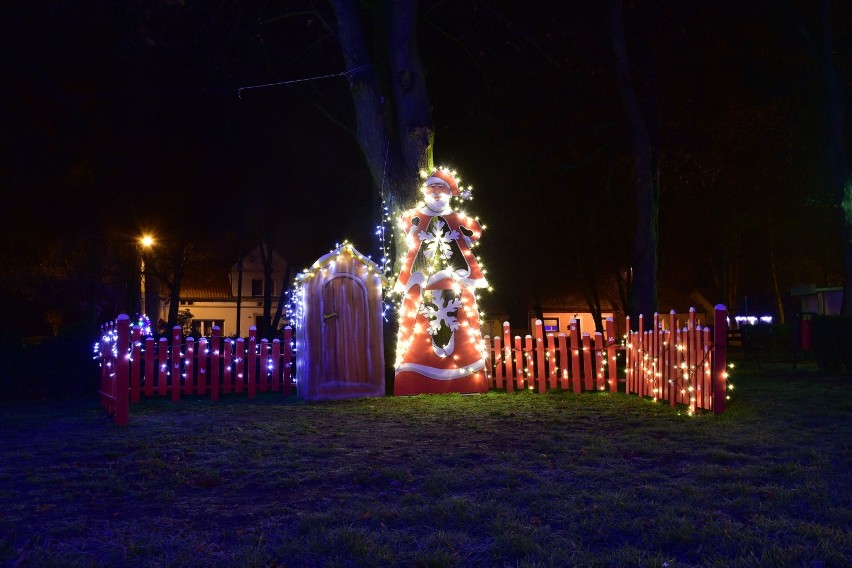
[145, 242]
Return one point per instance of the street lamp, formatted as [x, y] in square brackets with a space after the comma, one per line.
[145, 242]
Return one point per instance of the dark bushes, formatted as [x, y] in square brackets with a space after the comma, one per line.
[47, 367]
[832, 342]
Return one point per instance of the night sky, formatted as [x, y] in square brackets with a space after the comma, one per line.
[120, 117]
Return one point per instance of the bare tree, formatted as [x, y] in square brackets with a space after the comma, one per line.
[641, 108]
[393, 116]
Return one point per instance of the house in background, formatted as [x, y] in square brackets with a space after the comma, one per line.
[816, 300]
[215, 297]
[558, 311]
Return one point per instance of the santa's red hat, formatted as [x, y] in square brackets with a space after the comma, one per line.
[443, 177]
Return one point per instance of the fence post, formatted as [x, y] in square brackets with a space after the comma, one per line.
[720, 358]
[216, 350]
[122, 371]
[611, 367]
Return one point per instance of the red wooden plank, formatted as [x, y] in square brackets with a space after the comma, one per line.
[707, 388]
[275, 365]
[540, 376]
[611, 361]
[720, 359]
[263, 368]
[589, 372]
[251, 375]
[551, 360]
[189, 366]
[228, 367]
[564, 361]
[203, 352]
[599, 360]
[240, 365]
[175, 366]
[215, 361]
[507, 357]
[671, 366]
[495, 349]
[162, 366]
[574, 332]
[629, 357]
[135, 363]
[519, 364]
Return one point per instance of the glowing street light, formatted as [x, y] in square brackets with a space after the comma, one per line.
[145, 242]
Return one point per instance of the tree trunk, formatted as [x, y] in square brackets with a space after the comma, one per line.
[174, 288]
[773, 268]
[643, 127]
[841, 177]
[266, 259]
[393, 117]
[282, 301]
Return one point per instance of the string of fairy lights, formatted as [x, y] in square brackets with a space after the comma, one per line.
[235, 352]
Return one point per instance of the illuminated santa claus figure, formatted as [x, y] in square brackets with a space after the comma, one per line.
[439, 345]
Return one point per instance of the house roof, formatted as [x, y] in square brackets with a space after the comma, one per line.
[205, 289]
[574, 302]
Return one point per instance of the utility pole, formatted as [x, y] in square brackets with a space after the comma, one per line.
[239, 288]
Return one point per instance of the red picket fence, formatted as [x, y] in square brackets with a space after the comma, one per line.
[681, 365]
[666, 362]
[179, 367]
[566, 361]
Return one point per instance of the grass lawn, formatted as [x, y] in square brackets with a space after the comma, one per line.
[491, 480]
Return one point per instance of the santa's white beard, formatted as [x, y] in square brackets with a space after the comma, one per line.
[437, 205]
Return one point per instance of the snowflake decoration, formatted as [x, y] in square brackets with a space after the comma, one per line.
[445, 314]
[437, 241]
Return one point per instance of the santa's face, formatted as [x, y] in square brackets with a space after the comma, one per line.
[437, 196]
